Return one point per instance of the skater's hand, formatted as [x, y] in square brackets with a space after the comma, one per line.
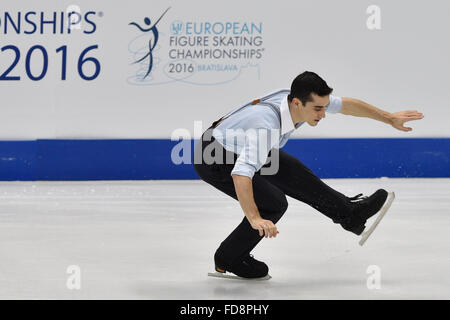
[266, 228]
[399, 118]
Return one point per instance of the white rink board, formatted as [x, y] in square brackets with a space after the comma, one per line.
[328, 37]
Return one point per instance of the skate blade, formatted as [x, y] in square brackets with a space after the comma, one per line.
[384, 209]
[230, 276]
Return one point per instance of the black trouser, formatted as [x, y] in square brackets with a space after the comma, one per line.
[292, 179]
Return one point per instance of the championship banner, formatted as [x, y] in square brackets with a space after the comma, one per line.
[159, 71]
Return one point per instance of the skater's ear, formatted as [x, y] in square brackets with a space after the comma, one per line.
[297, 102]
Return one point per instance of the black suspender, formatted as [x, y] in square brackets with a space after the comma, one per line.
[261, 101]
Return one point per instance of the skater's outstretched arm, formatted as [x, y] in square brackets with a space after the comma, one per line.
[360, 108]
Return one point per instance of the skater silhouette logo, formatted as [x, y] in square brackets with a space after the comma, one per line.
[152, 42]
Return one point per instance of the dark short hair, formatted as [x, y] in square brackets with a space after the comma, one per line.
[305, 84]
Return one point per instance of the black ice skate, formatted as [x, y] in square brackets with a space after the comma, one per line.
[246, 268]
[363, 209]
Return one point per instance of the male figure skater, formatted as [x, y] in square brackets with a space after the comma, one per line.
[244, 146]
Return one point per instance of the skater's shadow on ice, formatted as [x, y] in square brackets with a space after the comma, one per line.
[235, 289]
[298, 288]
[208, 289]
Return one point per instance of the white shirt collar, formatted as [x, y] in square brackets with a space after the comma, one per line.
[287, 124]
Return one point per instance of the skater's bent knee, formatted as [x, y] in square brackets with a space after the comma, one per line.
[284, 206]
[280, 211]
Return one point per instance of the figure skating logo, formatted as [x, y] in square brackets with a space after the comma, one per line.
[151, 44]
[204, 53]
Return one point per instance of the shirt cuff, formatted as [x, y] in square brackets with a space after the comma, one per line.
[335, 104]
[247, 171]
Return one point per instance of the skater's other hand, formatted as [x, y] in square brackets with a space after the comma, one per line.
[399, 118]
[266, 228]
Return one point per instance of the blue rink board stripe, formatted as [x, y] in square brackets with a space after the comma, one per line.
[151, 159]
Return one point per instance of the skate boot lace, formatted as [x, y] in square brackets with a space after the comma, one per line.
[358, 198]
[248, 259]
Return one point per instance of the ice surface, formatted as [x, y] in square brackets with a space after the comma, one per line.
[156, 240]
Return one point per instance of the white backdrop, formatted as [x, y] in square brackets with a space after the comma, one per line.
[405, 64]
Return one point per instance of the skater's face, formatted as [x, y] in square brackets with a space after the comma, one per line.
[314, 110]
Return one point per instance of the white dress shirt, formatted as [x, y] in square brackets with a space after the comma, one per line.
[253, 129]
